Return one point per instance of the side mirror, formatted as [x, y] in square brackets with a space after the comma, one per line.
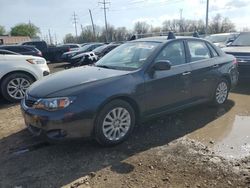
[162, 65]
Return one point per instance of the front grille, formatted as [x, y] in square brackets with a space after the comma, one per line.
[29, 101]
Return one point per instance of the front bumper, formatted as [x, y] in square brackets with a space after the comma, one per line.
[58, 125]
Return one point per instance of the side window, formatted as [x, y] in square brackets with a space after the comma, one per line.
[198, 50]
[174, 52]
[214, 53]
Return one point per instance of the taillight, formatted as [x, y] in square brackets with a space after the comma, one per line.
[40, 54]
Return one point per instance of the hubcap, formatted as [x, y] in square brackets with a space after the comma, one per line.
[221, 92]
[116, 124]
[17, 87]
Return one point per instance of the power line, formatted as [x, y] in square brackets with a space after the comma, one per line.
[104, 3]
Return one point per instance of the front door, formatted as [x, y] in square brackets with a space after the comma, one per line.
[168, 89]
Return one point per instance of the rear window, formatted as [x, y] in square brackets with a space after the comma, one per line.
[242, 40]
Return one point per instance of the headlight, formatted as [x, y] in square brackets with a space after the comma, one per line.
[36, 61]
[53, 104]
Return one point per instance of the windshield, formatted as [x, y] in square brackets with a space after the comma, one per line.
[129, 56]
[242, 40]
[218, 38]
[100, 49]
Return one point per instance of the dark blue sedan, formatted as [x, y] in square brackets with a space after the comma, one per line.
[136, 81]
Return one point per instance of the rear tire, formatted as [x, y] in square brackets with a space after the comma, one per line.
[114, 123]
[221, 92]
[15, 85]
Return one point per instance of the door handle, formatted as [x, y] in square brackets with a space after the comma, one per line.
[215, 66]
[186, 73]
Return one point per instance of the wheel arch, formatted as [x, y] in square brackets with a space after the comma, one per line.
[227, 77]
[18, 71]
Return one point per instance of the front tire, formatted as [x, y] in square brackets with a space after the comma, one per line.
[15, 85]
[221, 92]
[114, 123]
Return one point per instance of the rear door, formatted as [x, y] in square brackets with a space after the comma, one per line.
[169, 89]
[204, 68]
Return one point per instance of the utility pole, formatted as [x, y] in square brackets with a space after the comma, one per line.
[181, 21]
[206, 31]
[75, 22]
[82, 28]
[93, 26]
[50, 38]
[104, 3]
[55, 39]
[181, 10]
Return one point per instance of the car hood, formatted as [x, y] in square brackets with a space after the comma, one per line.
[237, 49]
[71, 78]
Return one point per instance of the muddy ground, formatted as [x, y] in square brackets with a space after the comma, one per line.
[199, 147]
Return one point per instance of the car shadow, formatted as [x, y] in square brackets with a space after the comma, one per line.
[242, 88]
[6, 104]
[56, 165]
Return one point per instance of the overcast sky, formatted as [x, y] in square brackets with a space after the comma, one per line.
[57, 15]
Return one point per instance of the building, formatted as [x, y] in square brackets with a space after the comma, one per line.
[8, 40]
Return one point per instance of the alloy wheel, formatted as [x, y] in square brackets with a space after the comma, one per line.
[17, 88]
[221, 92]
[116, 124]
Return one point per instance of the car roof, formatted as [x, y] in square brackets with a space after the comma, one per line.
[221, 34]
[163, 39]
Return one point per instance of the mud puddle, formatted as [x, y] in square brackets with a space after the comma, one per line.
[227, 136]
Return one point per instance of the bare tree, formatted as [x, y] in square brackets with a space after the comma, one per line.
[69, 38]
[227, 26]
[141, 27]
[221, 25]
[121, 34]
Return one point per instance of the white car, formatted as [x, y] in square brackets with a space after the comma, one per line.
[18, 72]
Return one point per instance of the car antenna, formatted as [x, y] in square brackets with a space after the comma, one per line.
[196, 34]
[171, 35]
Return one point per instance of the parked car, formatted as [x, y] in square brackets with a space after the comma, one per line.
[71, 46]
[7, 52]
[50, 53]
[18, 72]
[93, 56]
[87, 48]
[240, 48]
[136, 81]
[223, 39]
[24, 50]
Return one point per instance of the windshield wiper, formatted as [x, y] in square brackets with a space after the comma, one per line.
[105, 66]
